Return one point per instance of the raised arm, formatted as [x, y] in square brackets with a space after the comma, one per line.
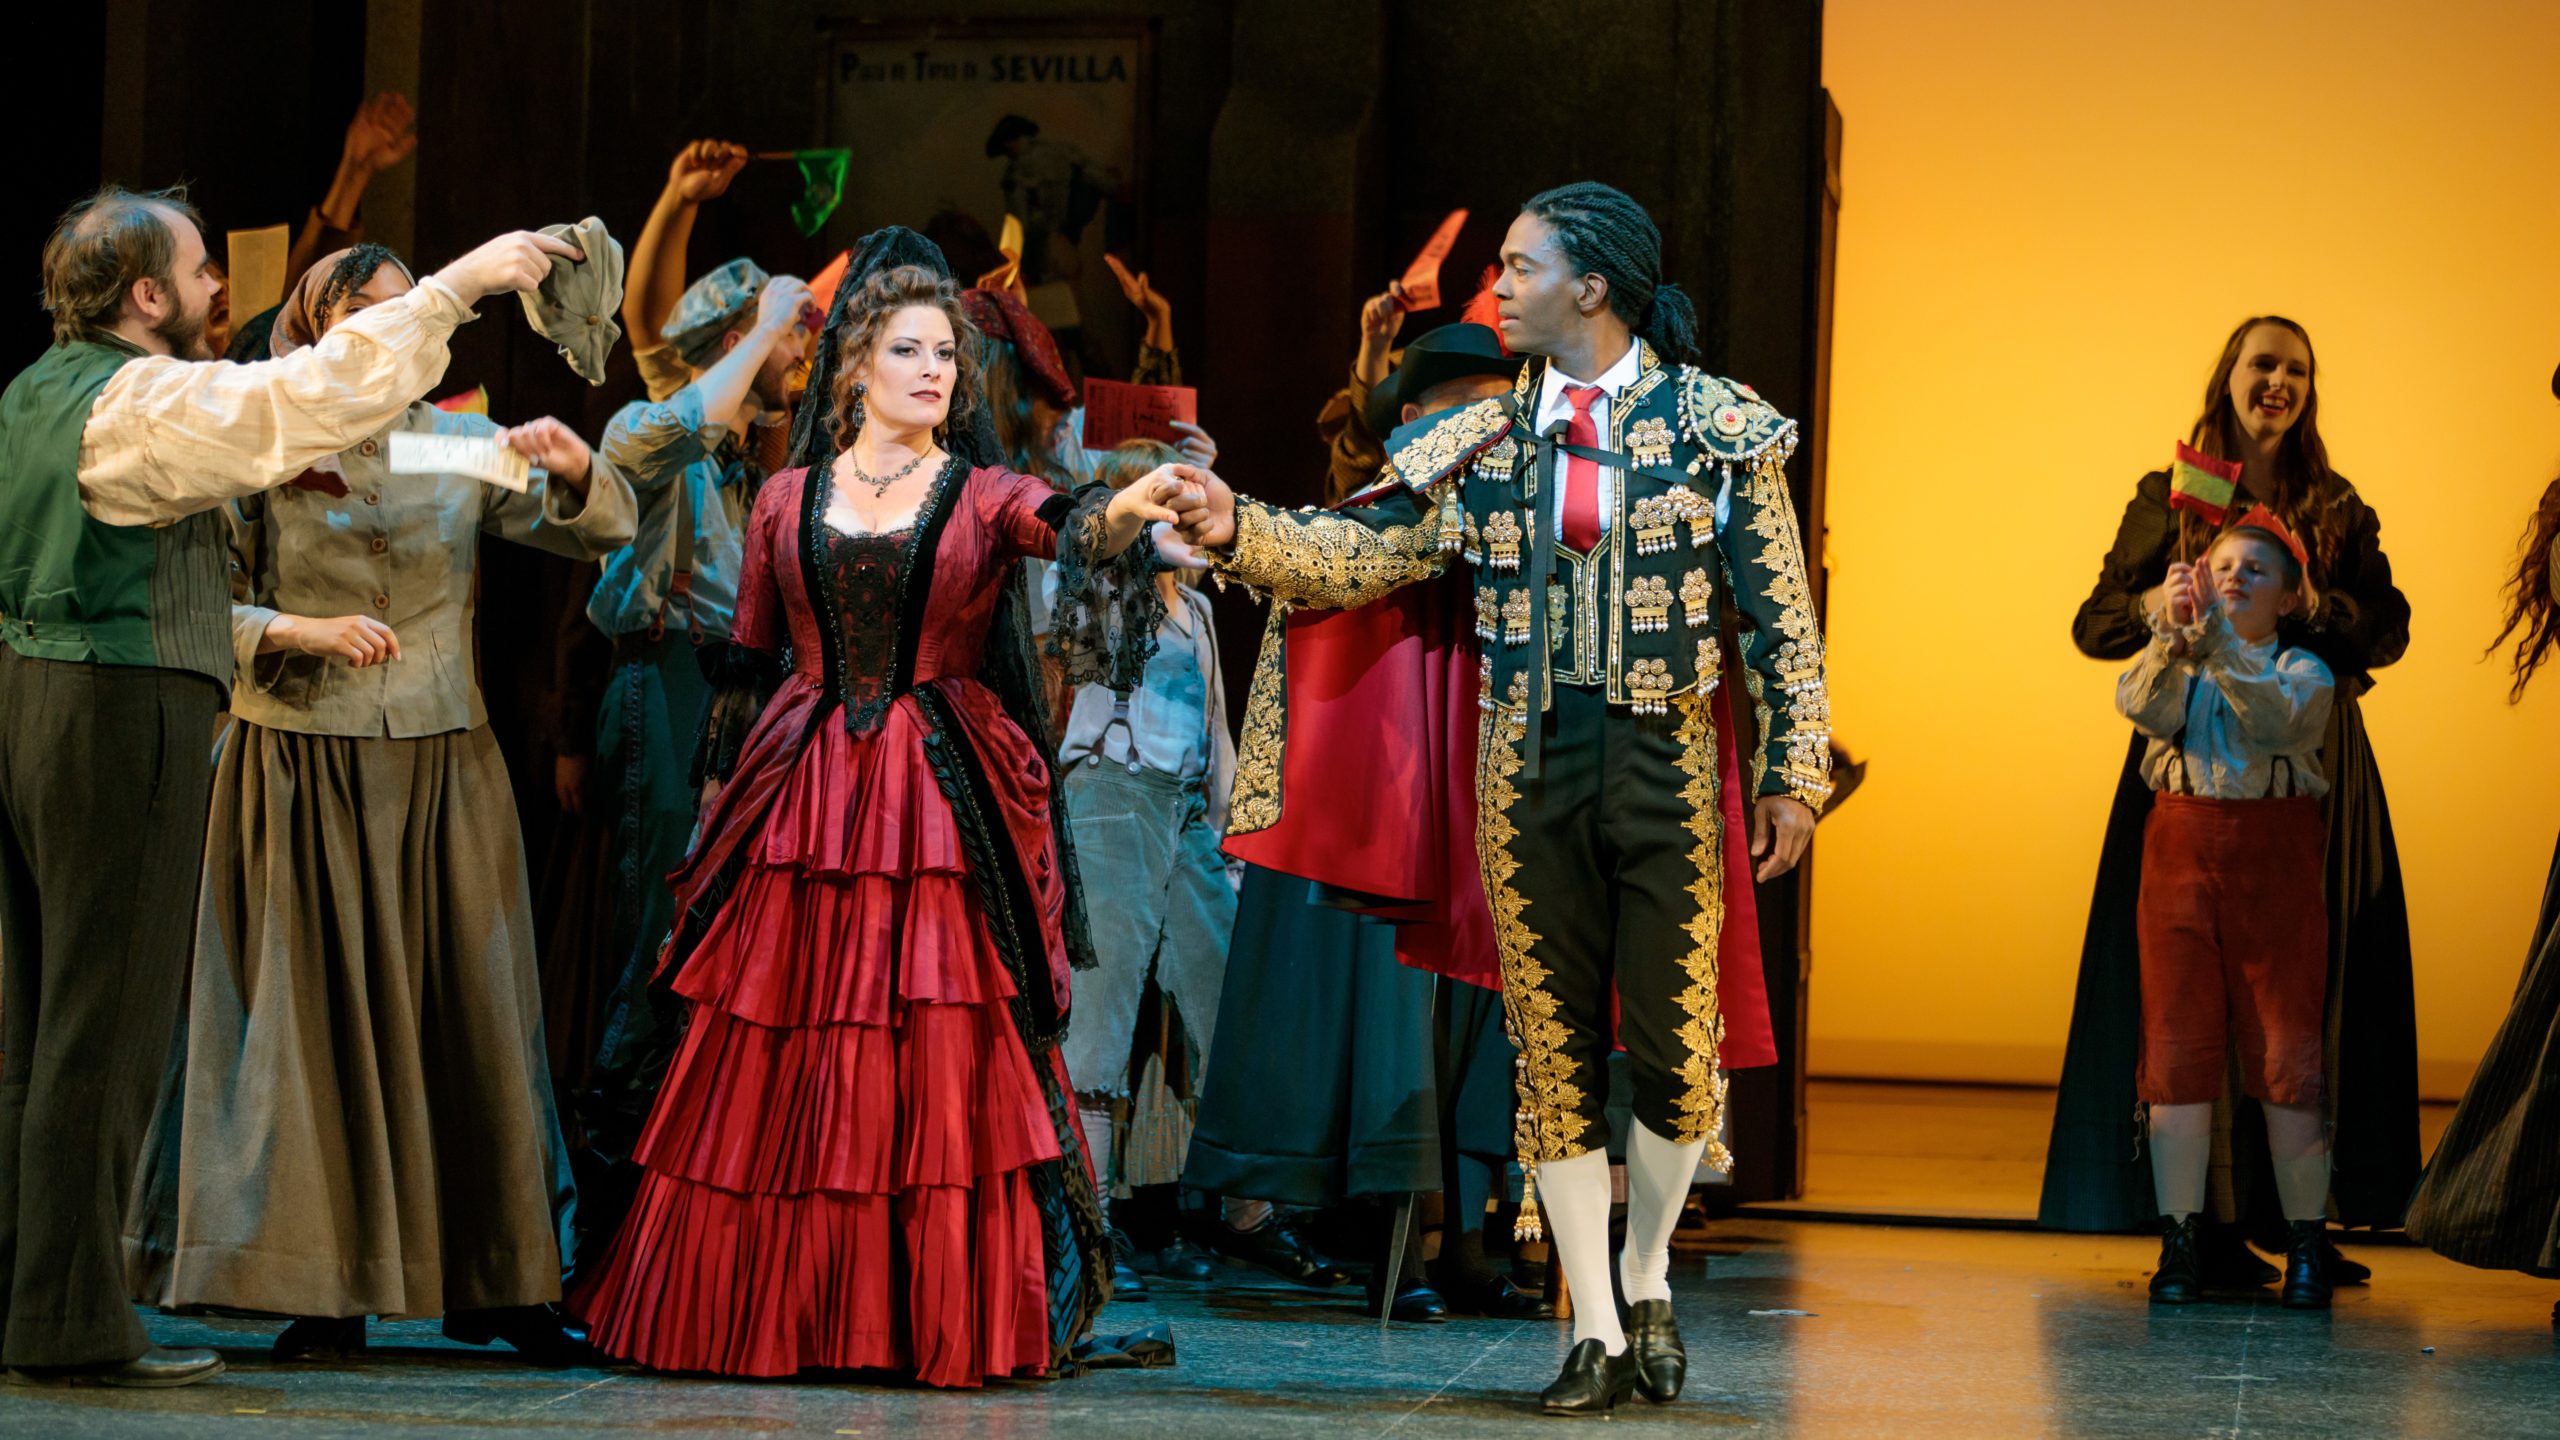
[168, 438]
[701, 171]
[381, 135]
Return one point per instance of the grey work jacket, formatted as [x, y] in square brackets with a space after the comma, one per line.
[405, 550]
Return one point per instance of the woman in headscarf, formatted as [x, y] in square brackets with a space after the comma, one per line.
[863, 1154]
[362, 1123]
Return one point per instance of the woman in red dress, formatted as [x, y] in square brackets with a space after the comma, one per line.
[863, 1155]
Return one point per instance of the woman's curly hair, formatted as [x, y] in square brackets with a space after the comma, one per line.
[884, 295]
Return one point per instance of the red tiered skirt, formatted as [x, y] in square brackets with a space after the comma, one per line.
[836, 1167]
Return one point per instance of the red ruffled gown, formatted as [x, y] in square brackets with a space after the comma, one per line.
[840, 1165]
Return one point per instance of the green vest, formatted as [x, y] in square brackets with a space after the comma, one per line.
[73, 588]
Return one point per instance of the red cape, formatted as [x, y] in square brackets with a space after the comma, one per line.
[1379, 787]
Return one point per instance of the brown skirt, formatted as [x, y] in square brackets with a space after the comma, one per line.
[2491, 1196]
[360, 1121]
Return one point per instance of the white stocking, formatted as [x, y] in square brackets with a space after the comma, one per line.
[1658, 1175]
[1575, 1196]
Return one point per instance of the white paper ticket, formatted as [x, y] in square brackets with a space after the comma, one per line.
[481, 457]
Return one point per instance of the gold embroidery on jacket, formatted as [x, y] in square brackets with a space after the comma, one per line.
[1502, 536]
[1649, 442]
[1329, 561]
[1649, 687]
[1454, 436]
[1515, 616]
[1256, 801]
[1648, 605]
[1799, 657]
[1697, 599]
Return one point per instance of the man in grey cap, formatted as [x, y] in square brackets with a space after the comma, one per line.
[696, 452]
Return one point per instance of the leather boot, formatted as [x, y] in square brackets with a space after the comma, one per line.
[2306, 1266]
[1653, 1337]
[539, 1333]
[2175, 1282]
[320, 1337]
[1593, 1380]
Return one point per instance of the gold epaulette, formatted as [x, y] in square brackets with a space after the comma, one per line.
[1452, 439]
[1730, 421]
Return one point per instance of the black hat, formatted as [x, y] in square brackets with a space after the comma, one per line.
[1451, 352]
[1008, 130]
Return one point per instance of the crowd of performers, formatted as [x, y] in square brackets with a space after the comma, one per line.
[931, 959]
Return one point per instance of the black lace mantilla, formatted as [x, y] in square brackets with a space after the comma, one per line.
[1104, 626]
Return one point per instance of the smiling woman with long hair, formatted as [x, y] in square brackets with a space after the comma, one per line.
[2262, 408]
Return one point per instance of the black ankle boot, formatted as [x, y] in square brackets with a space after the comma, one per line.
[1593, 1380]
[2175, 1282]
[2306, 1266]
[320, 1337]
[1653, 1337]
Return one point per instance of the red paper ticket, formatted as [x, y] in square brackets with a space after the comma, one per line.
[1115, 411]
[1422, 277]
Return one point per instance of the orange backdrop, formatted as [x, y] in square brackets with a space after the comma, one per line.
[2052, 215]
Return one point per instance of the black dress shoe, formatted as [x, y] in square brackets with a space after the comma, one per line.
[1653, 1337]
[1181, 1261]
[1276, 1247]
[2224, 1260]
[1147, 1349]
[153, 1369]
[539, 1333]
[1417, 1303]
[2176, 1282]
[1126, 1282]
[2306, 1266]
[320, 1337]
[1593, 1380]
[2343, 1272]
[1493, 1296]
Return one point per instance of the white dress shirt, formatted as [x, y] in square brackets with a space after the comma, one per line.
[2250, 713]
[170, 437]
[1554, 405]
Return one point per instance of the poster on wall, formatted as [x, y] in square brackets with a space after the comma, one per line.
[954, 127]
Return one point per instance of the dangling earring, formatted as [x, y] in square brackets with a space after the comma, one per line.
[860, 389]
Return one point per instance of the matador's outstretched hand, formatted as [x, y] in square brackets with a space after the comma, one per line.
[1207, 517]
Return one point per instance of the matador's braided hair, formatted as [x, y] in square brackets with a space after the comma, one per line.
[1604, 232]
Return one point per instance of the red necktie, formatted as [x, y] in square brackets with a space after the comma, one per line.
[1581, 477]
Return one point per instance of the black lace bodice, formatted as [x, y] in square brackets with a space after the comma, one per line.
[862, 578]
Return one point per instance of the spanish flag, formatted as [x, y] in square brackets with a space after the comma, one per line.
[474, 401]
[2203, 484]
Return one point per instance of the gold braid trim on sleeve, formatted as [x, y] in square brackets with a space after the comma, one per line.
[1327, 560]
[1799, 658]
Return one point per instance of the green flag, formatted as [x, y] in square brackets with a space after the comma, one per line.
[822, 175]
